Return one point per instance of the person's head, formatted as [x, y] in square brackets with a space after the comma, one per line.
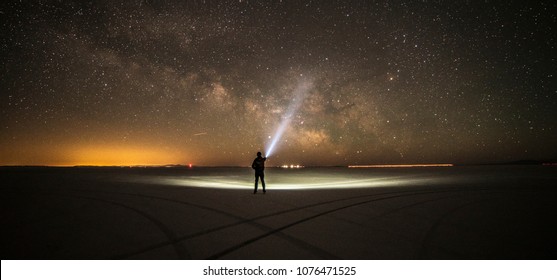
[258, 154]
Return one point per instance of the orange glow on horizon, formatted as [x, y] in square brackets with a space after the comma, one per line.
[118, 156]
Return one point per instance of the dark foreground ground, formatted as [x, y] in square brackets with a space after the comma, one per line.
[501, 212]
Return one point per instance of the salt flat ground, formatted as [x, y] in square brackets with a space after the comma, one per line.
[477, 212]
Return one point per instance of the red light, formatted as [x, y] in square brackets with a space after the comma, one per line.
[190, 165]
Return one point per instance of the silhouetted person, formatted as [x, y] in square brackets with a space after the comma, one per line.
[259, 166]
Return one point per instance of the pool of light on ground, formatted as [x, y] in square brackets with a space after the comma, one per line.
[296, 180]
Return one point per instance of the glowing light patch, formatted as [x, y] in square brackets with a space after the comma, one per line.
[292, 166]
[402, 165]
[282, 183]
[120, 155]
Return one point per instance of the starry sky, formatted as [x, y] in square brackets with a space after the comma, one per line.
[209, 82]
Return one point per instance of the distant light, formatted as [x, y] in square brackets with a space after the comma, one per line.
[402, 165]
[190, 165]
[292, 166]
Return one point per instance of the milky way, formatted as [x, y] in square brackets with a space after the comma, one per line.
[208, 82]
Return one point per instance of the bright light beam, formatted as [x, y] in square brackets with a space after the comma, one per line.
[299, 95]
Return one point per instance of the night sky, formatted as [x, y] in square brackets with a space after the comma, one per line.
[209, 82]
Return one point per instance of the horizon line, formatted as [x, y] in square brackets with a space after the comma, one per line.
[402, 165]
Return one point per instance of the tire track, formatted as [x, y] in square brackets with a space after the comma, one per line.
[300, 221]
[323, 254]
[173, 240]
[178, 248]
[425, 244]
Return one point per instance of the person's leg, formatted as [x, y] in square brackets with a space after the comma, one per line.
[256, 182]
[263, 182]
